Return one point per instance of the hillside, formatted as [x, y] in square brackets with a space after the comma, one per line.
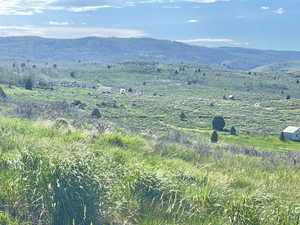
[136, 49]
[291, 66]
[70, 154]
[75, 177]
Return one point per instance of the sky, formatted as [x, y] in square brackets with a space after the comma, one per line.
[262, 24]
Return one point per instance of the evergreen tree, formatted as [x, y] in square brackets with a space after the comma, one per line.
[233, 131]
[183, 116]
[282, 138]
[28, 83]
[214, 137]
[218, 123]
[2, 93]
[96, 114]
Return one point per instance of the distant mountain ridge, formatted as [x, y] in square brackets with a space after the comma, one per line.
[136, 49]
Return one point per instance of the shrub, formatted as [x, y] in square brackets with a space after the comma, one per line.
[214, 137]
[61, 123]
[218, 123]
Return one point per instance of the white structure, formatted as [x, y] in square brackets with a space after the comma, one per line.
[106, 90]
[122, 91]
[291, 133]
[231, 97]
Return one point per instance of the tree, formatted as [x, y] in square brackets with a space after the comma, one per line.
[72, 74]
[288, 97]
[218, 123]
[28, 83]
[282, 138]
[96, 114]
[183, 116]
[2, 93]
[214, 137]
[130, 90]
[233, 131]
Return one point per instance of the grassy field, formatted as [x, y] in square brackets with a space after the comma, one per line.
[52, 175]
[260, 108]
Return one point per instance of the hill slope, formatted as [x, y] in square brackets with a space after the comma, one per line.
[136, 49]
[291, 66]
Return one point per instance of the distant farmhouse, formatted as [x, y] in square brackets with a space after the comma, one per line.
[291, 133]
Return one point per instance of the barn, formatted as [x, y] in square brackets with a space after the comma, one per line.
[291, 133]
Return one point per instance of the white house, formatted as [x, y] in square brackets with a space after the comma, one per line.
[122, 91]
[106, 90]
[291, 133]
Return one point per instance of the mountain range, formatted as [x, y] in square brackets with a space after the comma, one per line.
[97, 49]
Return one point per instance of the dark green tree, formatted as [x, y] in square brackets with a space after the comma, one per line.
[233, 131]
[28, 83]
[214, 137]
[96, 113]
[218, 123]
[2, 93]
[72, 74]
[282, 138]
[183, 116]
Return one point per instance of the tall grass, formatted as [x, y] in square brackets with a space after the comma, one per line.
[55, 176]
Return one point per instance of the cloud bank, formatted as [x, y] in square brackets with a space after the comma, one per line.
[68, 32]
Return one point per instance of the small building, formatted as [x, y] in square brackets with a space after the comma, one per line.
[291, 133]
[122, 91]
[105, 90]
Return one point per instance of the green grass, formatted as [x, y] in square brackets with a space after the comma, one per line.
[76, 177]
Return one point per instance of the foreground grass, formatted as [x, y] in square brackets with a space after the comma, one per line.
[57, 176]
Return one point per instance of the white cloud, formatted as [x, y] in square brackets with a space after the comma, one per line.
[279, 11]
[24, 7]
[171, 7]
[88, 8]
[56, 23]
[31, 7]
[68, 32]
[211, 41]
[265, 8]
[192, 21]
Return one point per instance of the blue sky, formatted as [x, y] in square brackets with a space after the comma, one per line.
[263, 24]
